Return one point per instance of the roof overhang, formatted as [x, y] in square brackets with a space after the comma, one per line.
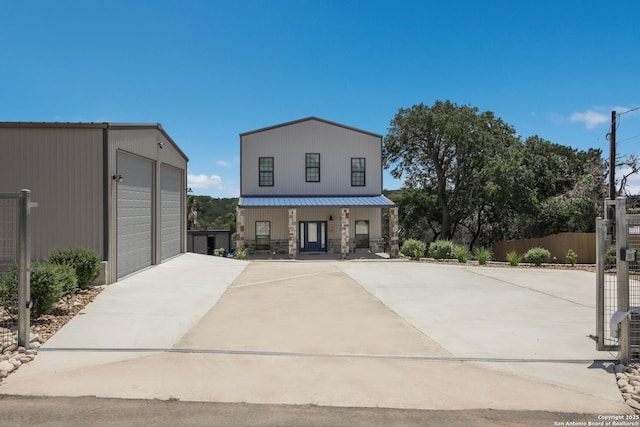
[96, 125]
[313, 201]
[312, 118]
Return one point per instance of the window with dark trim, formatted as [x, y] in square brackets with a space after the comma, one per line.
[263, 235]
[265, 171]
[358, 172]
[312, 166]
[362, 234]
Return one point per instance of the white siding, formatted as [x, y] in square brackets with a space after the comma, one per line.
[288, 145]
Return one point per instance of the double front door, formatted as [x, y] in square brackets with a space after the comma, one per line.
[313, 236]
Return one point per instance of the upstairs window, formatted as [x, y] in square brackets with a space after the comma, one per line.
[266, 171]
[312, 163]
[358, 172]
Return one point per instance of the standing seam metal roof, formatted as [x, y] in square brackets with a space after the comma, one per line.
[349, 201]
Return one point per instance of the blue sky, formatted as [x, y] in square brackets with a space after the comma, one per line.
[209, 70]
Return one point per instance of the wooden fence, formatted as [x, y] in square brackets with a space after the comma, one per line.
[584, 244]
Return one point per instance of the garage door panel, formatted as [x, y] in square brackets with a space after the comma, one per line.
[170, 211]
[134, 214]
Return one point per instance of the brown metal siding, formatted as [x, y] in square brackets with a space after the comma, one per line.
[288, 145]
[63, 168]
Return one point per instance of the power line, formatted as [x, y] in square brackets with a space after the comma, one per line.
[627, 139]
[628, 111]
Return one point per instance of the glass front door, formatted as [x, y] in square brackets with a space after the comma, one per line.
[313, 236]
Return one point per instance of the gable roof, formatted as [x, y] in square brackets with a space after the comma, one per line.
[308, 119]
[95, 125]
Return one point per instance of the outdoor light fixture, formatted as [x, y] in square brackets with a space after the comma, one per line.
[118, 178]
[330, 217]
[161, 144]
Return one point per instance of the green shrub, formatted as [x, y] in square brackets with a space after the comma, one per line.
[483, 255]
[9, 290]
[513, 258]
[240, 254]
[49, 283]
[413, 248]
[461, 253]
[571, 257]
[441, 249]
[85, 262]
[537, 256]
[611, 256]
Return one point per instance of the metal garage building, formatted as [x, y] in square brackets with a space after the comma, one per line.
[118, 189]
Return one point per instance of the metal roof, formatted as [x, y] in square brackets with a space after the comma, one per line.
[349, 201]
[95, 125]
[318, 119]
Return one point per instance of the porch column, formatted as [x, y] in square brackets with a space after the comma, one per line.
[344, 232]
[240, 218]
[293, 233]
[393, 232]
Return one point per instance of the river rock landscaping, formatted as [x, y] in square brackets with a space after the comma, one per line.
[42, 328]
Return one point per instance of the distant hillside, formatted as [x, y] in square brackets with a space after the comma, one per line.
[213, 213]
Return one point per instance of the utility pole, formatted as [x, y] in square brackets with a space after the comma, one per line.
[612, 158]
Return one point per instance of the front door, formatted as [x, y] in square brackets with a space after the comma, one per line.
[313, 236]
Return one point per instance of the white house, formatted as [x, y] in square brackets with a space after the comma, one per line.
[312, 185]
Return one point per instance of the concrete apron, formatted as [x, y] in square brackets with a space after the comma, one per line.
[304, 333]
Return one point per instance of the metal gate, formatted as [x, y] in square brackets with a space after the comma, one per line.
[618, 281]
[15, 259]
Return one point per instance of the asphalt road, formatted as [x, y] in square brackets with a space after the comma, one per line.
[92, 411]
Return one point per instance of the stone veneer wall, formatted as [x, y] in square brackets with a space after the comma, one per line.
[240, 220]
[394, 238]
[292, 247]
[278, 246]
[345, 246]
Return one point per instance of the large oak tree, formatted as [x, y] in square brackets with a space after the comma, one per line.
[457, 154]
[467, 173]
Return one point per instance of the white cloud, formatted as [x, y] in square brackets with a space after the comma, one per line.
[590, 118]
[223, 163]
[204, 181]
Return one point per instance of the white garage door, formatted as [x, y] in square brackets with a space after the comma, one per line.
[134, 216]
[170, 211]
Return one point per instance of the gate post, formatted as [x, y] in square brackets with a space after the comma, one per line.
[622, 268]
[24, 264]
[600, 251]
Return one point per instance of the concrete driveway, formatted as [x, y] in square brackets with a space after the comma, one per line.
[354, 334]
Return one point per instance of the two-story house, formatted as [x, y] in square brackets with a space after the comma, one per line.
[312, 185]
